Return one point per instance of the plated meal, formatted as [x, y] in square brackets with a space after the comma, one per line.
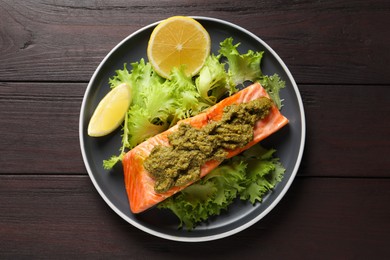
[192, 129]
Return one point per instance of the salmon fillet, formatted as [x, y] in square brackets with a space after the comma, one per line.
[138, 182]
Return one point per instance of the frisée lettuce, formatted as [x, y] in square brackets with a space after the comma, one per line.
[248, 176]
[242, 67]
[160, 103]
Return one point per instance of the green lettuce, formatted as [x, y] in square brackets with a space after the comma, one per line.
[184, 95]
[242, 67]
[160, 103]
[247, 67]
[213, 81]
[248, 176]
[157, 103]
[273, 84]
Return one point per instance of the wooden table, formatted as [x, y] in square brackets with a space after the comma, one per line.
[338, 206]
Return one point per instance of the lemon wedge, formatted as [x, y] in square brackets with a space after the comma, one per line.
[177, 41]
[110, 112]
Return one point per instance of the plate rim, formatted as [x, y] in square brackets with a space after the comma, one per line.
[234, 230]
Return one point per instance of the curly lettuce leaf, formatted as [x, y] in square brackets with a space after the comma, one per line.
[264, 175]
[139, 126]
[114, 159]
[273, 84]
[121, 76]
[208, 197]
[213, 81]
[247, 67]
[242, 67]
[248, 176]
[184, 95]
[144, 80]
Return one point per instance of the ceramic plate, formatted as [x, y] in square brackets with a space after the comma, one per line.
[289, 141]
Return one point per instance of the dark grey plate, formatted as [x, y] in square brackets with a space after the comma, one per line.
[289, 142]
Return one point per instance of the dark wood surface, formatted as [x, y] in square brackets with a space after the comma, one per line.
[337, 208]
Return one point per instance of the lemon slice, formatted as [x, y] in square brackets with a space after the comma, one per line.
[177, 41]
[111, 111]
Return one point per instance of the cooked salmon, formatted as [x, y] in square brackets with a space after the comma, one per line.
[139, 183]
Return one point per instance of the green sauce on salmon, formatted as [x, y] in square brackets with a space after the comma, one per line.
[190, 148]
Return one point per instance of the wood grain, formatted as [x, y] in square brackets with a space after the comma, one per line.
[338, 206]
[39, 126]
[64, 217]
[348, 130]
[328, 42]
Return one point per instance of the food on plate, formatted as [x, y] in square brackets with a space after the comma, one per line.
[248, 177]
[111, 111]
[159, 103]
[140, 184]
[191, 147]
[191, 125]
[177, 41]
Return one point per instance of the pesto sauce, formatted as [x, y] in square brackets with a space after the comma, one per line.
[180, 163]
